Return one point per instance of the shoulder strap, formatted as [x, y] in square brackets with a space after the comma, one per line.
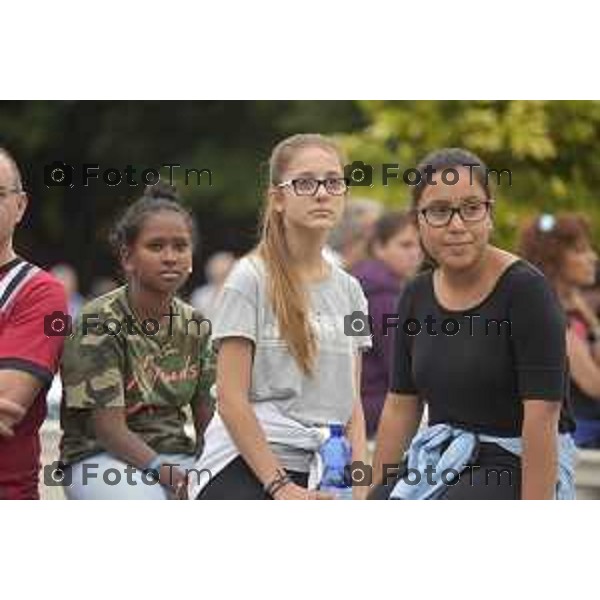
[262, 301]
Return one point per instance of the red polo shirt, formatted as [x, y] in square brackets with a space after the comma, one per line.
[27, 295]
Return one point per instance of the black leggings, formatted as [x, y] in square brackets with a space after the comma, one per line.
[237, 481]
[492, 474]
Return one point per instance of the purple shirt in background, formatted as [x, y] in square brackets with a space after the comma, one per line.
[382, 289]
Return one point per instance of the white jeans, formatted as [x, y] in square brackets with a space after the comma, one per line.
[104, 477]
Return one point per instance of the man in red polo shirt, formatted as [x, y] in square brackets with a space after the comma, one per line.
[28, 357]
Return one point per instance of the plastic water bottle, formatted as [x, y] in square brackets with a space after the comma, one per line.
[336, 454]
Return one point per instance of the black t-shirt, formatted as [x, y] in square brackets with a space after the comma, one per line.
[474, 368]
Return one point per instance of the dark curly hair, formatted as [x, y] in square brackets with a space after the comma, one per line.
[544, 240]
[160, 196]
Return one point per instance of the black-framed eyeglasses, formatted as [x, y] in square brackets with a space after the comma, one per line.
[470, 212]
[308, 186]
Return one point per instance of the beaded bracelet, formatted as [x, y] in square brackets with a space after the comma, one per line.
[278, 482]
[279, 485]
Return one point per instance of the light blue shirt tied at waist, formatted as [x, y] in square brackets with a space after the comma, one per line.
[448, 448]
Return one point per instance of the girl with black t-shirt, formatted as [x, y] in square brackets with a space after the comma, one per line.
[481, 339]
[560, 247]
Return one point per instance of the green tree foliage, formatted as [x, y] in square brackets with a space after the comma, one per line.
[232, 139]
[552, 149]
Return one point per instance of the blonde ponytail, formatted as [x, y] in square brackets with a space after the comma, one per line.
[289, 298]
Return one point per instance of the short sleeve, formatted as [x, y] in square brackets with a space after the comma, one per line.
[24, 345]
[359, 303]
[92, 370]
[401, 371]
[207, 369]
[237, 313]
[538, 337]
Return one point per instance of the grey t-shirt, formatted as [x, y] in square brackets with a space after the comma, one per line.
[326, 397]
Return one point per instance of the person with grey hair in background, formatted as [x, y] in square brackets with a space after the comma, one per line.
[348, 242]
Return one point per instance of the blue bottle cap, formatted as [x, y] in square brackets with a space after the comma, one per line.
[336, 430]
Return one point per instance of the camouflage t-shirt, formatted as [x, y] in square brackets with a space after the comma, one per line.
[113, 360]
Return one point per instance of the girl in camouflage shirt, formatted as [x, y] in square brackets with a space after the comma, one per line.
[136, 358]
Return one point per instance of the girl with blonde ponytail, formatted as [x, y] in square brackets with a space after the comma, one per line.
[286, 368]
